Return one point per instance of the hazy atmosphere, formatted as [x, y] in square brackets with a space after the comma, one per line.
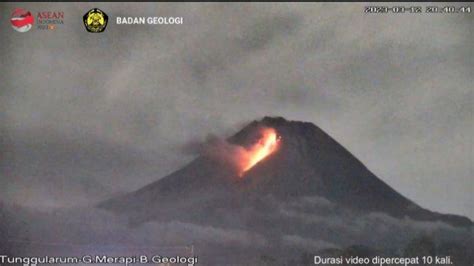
[86, 116]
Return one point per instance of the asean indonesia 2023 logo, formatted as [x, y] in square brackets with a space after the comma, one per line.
[95, 20]
[22, 20]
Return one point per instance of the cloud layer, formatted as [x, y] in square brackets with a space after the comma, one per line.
[394, 89]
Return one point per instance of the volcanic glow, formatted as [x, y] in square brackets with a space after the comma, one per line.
[266, 145]
[243, 158]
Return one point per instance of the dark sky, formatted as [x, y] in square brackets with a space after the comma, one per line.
[85, 115]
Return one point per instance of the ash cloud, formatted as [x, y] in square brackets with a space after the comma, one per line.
[218, 150]
[222, 151]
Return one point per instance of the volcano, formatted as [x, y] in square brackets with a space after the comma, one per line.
[308, 163]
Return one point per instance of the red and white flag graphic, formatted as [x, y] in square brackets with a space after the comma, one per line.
[22, 20]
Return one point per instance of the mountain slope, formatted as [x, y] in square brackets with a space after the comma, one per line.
[308, 163]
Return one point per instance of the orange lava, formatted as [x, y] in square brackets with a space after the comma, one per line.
[265, 146]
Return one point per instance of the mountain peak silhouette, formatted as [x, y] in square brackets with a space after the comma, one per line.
[308, 163]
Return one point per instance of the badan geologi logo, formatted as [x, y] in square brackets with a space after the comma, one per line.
[22, 20]
[95, 20]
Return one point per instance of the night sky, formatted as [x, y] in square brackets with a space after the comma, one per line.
[85, 116]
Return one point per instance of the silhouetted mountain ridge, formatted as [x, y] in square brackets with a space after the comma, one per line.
[308, 163]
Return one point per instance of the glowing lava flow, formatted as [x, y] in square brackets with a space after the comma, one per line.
[265, 146]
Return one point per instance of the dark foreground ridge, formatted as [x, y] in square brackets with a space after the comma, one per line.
[309, 163]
